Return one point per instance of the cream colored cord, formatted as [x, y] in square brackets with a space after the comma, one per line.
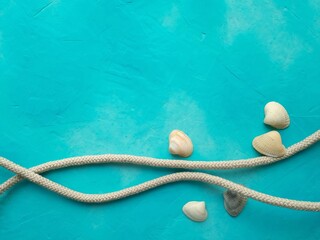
[33, 176]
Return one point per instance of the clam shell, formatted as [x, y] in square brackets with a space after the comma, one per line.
[180, 144]
[276, 115]
[269, 144]
[234, 202]
[196, 211]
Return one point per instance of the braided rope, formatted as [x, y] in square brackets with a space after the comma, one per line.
[33, 176]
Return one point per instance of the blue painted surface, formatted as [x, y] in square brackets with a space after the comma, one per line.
[92, 77]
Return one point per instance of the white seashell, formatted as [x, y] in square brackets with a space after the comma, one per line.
[196, 211]
[276, 115]
[269, 144]
[180, 144]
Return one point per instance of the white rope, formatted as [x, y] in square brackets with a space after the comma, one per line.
[33, 176]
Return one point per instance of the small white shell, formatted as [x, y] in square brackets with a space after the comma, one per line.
[180, 144]
[196, 211]
[276, 115]
[269, 144]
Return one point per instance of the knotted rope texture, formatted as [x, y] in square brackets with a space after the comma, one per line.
[32, 175]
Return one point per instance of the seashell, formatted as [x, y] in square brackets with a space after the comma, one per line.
[234, 202]
[180, 144]
[269, 144]
[196, 211]
[276, 115]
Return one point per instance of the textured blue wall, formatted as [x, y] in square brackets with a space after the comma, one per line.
[91, 77]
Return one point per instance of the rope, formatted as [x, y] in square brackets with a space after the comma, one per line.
[33, 176]
[164, 163]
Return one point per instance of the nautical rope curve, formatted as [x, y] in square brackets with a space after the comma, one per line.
[32, 175]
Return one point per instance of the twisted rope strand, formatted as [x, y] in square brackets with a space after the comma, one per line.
[170, 178]
[164, 163]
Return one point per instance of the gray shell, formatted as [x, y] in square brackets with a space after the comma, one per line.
[234, 202]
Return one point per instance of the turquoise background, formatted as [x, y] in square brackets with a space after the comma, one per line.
[114, 76]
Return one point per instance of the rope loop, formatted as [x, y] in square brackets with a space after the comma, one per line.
[33, 175]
